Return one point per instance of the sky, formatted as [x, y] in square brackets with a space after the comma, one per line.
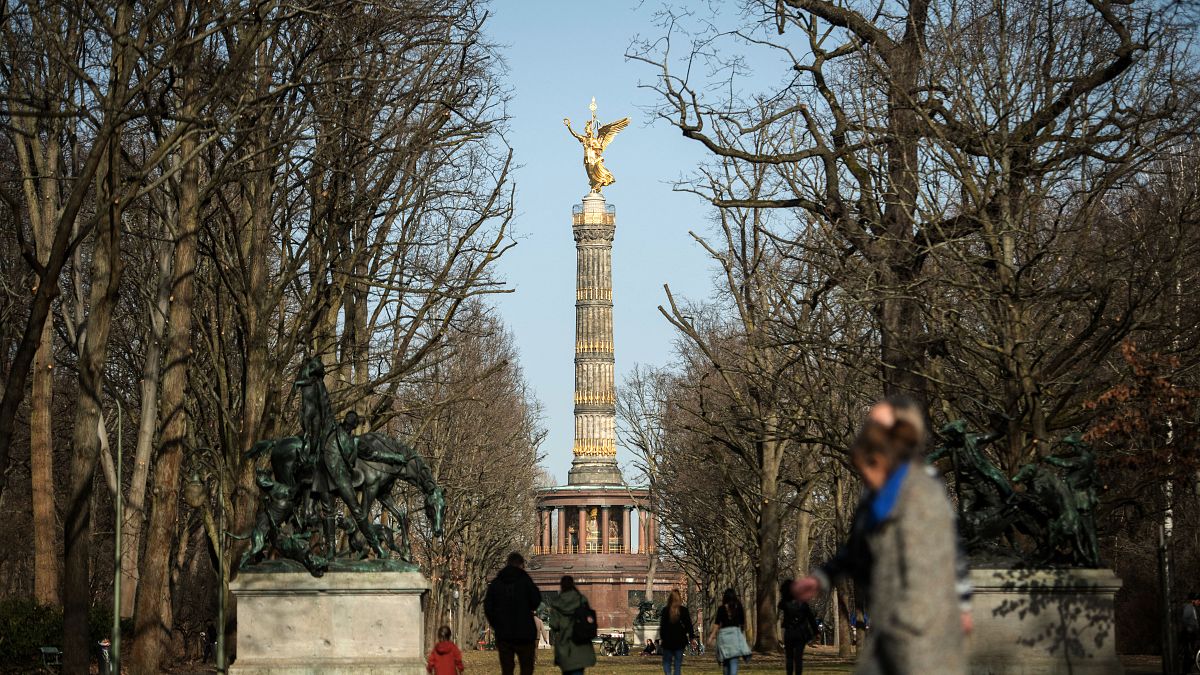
[559, 55]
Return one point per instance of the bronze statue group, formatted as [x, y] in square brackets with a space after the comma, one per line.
[300, 517]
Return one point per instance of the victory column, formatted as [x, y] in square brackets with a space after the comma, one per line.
[587, 525]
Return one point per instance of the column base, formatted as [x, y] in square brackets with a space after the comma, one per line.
[594, 472]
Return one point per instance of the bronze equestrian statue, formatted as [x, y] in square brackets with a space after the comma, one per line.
[311, 472]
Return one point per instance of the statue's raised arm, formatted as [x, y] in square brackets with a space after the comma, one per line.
[567, 123]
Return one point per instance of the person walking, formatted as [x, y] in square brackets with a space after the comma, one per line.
[901, 552]
[445, 659]
[572, 652]
[509, 604]
[675, 631]
[727, 633]
[1189, 633]
[799, 626]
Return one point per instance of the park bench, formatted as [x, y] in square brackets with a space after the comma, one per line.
[51, 656]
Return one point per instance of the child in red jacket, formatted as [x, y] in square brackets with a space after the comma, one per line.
[445, 659]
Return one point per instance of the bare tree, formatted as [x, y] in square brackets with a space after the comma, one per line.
[929, 130]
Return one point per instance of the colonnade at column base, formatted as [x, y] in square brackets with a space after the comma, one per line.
[602, 535]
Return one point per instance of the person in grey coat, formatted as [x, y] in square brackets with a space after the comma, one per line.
[901, 553]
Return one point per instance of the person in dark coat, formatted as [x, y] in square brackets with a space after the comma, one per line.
[799, 626]
[675, 631]
[511, 600]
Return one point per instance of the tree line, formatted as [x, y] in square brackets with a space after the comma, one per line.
[987, 206]
[194, 196]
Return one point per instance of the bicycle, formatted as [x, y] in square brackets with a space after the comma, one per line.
[614, 644]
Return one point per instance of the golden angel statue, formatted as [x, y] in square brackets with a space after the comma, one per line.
[594, 143]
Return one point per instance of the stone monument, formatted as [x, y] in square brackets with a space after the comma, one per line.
[318, 592]
[587, 526]
[594, 224]
[1042, 604]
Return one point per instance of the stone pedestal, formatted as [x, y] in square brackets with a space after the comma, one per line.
[360, 623]
[1035, 622]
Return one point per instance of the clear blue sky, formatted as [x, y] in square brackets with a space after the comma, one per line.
[560, 55]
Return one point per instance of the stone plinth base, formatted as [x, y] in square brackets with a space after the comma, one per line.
[584, 472]
[364, 623]
[641, 634]
[1035, 622]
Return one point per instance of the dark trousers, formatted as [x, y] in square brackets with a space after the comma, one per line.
[1186, 645]
[672, 661]
[524, 653]
[794, 658]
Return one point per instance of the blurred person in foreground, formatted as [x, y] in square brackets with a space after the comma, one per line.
[1189, 633]
[901, 553]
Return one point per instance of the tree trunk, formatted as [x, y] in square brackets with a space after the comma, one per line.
[106, 275]
[243, 497]
[135, 516]
[842, 607]
[153, 623]
[767, 576]
[39, 164]
[901, 330]
[803, 538]
[41, 472]
[765, 639]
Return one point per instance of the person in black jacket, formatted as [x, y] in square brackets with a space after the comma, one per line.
[675, 631]
[511, 600]
[799, 626]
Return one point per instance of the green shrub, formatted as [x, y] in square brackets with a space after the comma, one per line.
[24, 627]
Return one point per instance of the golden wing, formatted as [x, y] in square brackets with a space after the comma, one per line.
[609, 131]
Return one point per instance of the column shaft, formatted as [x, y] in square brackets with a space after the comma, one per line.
[562, 530]
[582, 536]
[604, 529]
[626, 535]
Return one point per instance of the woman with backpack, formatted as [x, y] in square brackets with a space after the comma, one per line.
[675, 631]
[799, 626]
[727, 633]
[572, 627]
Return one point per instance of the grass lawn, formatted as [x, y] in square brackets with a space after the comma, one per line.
[818, 661]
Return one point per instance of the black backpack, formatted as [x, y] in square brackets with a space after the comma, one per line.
[583, 625]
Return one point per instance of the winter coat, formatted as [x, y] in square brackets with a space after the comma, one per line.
[445, 659]
[903, 560]
[675, 634]
[568, 656]
[511, 600]
[799, 623]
